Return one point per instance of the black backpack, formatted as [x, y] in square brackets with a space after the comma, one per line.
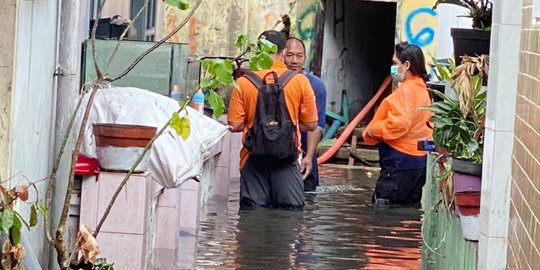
[273, 138]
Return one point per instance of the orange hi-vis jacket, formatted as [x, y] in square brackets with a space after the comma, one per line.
[399, 121]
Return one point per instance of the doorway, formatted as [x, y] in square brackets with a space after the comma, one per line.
[359, 39]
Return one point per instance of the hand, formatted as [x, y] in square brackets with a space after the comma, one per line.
[369, 132]
[306, 167]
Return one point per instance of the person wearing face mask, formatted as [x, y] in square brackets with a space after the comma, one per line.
[397, 126]
[266, 183]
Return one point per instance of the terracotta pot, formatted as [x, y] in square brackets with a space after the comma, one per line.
[120, 135]
[119, 146]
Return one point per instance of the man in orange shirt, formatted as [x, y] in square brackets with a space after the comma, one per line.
[268, 183]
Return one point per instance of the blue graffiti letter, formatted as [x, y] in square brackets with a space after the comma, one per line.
[426, 34]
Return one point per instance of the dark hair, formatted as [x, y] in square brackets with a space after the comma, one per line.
[299, 40]
[275, 37]
[412, 53]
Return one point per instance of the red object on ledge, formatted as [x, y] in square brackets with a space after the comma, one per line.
[86, 166]
[468, 203]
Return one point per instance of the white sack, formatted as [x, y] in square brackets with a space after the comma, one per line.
[172, 160]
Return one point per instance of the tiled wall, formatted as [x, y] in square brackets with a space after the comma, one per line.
[524, 229]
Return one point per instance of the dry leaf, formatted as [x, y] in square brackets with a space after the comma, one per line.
[20, 192]
[87, 244]
[12, 256]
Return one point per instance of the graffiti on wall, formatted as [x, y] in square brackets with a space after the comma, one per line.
[417, 24]
[305, 26]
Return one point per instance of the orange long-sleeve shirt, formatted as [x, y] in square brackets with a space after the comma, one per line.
[399, 121]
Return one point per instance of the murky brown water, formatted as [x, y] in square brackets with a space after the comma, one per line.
[338, 229]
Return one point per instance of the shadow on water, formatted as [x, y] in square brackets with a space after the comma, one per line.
[338, 229]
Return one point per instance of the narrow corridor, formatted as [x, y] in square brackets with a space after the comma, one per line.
[338, 229]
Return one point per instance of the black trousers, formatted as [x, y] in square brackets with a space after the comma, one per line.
[400, 186]
[277, 186]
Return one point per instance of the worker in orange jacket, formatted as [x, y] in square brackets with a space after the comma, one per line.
[397, 126]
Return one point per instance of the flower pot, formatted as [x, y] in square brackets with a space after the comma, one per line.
[119, 146]
[470, 227]
[469, 42]
[465, 166]
[467, 203]
[466, 182]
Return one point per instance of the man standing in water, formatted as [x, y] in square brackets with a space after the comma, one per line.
[295, 59]
[253, 107]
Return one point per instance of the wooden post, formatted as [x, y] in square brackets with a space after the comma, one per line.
[354, 142]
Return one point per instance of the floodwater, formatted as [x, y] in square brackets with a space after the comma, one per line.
[338, 229]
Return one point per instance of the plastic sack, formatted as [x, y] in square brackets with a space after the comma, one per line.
[172, 159]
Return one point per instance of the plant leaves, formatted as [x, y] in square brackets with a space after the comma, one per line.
[260, 61]
[21, 219]
[87, 244]
[181, 125]
[41, 208]
[16, 230]
[7, 219]
[242, 41]
[33, 216]
[267, 46]
[223, 72]
[180, 4]
[216, 103]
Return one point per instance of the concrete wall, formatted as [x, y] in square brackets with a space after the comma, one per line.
[358, 49]
[213, 29]
[524, 234]
[8, 11]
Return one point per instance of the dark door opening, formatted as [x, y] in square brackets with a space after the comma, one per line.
[359, 38]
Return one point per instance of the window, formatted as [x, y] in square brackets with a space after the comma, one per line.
[536, 13]
[146, 22]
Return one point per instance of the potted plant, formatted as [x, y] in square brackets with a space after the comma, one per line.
[458, 127]
[472, 42]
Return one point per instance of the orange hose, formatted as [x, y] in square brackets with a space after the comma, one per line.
[354, 123]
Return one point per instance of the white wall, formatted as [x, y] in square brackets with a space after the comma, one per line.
[449, 16]
[33, 105]
[499, 134]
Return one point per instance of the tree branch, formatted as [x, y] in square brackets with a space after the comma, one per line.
[93, 39]
[106, 69]
[143, 55]
[56, 165]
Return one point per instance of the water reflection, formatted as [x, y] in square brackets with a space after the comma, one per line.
[338, 229]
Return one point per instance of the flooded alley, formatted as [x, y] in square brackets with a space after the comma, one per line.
[338, 229]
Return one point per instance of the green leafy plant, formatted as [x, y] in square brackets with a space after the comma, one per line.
[442, 71]
[479, 10]
[11, 222]
[459, 124]
[218, 73]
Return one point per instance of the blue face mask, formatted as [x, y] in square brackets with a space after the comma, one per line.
[393, 70]
[396, 74]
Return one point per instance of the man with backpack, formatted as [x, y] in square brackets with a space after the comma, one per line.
[271, 107]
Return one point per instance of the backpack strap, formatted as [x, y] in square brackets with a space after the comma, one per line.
[254, 79]
[286, 77]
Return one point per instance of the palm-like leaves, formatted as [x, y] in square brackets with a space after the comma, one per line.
[459, 124]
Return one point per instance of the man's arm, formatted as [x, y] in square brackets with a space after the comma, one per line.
[308, 126]
[236, 113]
[236, 127]
[306, 165]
